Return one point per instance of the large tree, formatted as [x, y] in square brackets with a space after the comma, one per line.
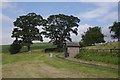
[92, 36]
[26, 29]
[59, 28]
[115, 28]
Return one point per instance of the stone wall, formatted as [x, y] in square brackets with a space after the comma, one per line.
[73, 51]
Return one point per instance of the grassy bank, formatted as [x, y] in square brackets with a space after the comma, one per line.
[101, 53]
[99, 56]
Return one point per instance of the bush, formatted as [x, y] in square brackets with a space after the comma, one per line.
[53, 50]
[15, 47]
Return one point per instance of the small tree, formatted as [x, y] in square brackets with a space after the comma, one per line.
[92, 36]
[15, 47]
[116, 29]
[59, 28]
[26, 29]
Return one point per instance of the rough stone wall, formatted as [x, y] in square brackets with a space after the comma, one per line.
[73, 51]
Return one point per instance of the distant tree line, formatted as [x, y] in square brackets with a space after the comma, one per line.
[57, 28]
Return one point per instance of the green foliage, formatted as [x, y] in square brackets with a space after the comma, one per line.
[15, 47]
[92, 36]
[82, 44]
[26, 29]
[58, 28]
[105, 57]
[115, 28]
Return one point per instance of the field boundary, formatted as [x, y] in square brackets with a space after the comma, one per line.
[101, 50]
[59, 57]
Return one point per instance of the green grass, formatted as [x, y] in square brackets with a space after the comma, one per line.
[99, 56]
[35, 46]
[104, 56]
[110, 45]
[37, 64]
[5, 48]
[34, 63]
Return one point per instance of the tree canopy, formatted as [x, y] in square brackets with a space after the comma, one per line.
[59, 28]
[92, 36]
[115, 28]
[26, 29]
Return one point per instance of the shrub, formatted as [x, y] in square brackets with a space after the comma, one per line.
[15, 47]
[53, 50]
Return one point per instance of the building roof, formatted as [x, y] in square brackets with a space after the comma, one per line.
[72, 44]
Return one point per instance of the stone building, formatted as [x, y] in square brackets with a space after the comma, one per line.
[71, 49]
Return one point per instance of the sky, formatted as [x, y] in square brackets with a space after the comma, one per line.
[91, 14]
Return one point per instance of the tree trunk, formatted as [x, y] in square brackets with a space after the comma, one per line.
[118, 39]
[16, 38]
[28, 48]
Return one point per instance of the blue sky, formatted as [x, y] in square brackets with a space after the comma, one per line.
[90, 13]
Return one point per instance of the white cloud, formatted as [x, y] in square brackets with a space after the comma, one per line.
[94, 13]
[106, 32]
[11, 7]
[102, 10]
[6, 28]
[6, 36]
[5, 19]
[44, 39]
[7, 22]
[110, 16]
[4, 5]
[81, 29]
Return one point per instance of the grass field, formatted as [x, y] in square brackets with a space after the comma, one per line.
[37, 64]
[110, 45]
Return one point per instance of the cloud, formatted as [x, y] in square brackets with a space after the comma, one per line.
[6, 36]
[94, 13]
[81, 29]
[4, 5]
[11, 7]
[5, 19]
[111, 16]
[7, 22]
[102, 9]
[44, 39]
[5, 29]
[106, 32]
